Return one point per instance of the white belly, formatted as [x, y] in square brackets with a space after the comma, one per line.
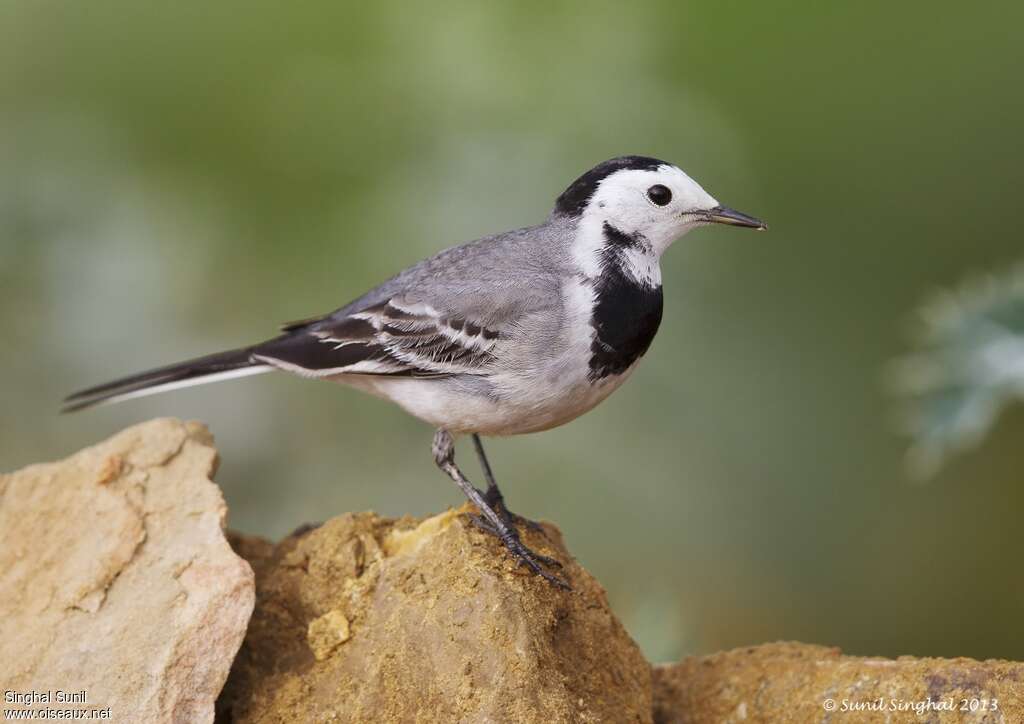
[527, 406]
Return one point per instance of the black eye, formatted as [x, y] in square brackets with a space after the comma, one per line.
[659, 195]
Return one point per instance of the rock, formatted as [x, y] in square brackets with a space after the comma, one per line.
[116, 578]
[790, 682]
[366, 619]
[119, 589]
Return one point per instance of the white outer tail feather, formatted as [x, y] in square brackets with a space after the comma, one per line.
[181, 384]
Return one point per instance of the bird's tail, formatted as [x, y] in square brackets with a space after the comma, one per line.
[199, 371]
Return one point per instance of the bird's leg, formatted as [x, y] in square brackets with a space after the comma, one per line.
[493, 494]
[489, 519]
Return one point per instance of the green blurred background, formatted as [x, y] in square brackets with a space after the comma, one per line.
[178, 178]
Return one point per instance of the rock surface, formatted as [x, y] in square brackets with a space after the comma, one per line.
[116, 577]
[366, 619]
[116, 580]
[789, 682]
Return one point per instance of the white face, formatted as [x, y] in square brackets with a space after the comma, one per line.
[661, 204]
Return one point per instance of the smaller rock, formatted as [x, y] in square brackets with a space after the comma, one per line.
[326, 633]
[791, 682]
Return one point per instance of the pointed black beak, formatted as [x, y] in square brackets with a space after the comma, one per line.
[725, 215]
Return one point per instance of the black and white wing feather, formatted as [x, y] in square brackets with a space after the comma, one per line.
[394, 337]
[457, 313]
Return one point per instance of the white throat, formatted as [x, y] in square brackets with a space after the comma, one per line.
[640, 261]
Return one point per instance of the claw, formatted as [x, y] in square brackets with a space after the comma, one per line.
[482, 524]
[524, 556]
[547, 560]
[533, 561]
[512, 519]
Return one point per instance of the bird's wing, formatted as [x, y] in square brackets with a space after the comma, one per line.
[393, 337]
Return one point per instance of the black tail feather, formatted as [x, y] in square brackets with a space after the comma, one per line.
[190, 369]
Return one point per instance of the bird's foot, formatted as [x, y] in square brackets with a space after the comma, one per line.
[523, 555]
[494, 498]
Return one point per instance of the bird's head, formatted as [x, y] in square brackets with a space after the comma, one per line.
[645, 199]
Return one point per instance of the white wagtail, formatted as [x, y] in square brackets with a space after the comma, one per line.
[509, 334]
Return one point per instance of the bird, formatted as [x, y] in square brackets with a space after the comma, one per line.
[513, 333]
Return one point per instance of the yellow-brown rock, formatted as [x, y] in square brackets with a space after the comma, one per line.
[800, 683]
[366, 619]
